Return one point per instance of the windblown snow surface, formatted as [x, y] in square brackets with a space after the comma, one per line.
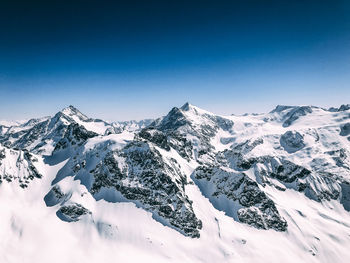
[53, 210]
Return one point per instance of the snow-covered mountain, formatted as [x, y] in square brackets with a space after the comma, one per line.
[192, 186]
[65, 129]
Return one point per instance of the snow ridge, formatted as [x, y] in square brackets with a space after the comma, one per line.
[190, 186]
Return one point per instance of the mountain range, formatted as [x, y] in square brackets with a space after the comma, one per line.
[191, 186]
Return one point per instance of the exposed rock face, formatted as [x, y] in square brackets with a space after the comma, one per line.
[188, 130]
[69, 127]
[314, 181]
[72, 212]
[235, 160]
[295, 114]
[23, 139]
[345, 195]
[340, 157]
[281, 108]
[345, 129]
[283, 170]
[292, 141]
[343, 107]
[168, 140]
[235, 157]
[250, 204]
[57, 132]
[17, 166]
[73, 135]
[56, 196]
[289, 114]
[278, 171]
[140, 174]
[73, 112]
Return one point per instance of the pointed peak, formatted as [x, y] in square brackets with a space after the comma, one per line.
[186, 106]
[190, 107]
[72, 111]
[69, 109]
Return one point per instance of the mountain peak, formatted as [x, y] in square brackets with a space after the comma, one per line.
[69, 109]
[280, 108]
[190, 107]
[186, 107]
[72, 111]
[343, 107]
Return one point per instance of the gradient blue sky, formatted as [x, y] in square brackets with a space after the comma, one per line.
[122, 60]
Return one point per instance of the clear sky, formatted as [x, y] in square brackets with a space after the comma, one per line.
[120, 60]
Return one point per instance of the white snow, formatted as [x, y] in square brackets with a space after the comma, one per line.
[121, 232]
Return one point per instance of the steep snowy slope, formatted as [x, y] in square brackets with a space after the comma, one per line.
[192, 186]
[18, 167]
[116, 169]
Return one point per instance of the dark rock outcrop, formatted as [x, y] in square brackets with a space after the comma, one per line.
[345, 129]
[72, 212]
[250, 204]
[292, 141]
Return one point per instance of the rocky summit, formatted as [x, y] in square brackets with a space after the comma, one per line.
[240, 188]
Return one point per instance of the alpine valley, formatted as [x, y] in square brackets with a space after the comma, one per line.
[192, 186]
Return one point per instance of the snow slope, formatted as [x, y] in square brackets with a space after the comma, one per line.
[233, 180]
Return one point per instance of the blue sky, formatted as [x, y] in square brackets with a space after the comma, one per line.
[134, 60]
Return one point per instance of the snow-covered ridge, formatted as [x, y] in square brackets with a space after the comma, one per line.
[191, 186]
[18, 167]
[42, 134]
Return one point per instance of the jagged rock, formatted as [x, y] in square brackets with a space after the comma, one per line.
[17, 166]
[23, 139]
[73, 112]
[36, 134]
[267, 168]
[345, 195]
[2, 154]
[292, 141]
[289, 114]
[235, 158]
[73, 134]
[56, 196]
[340, 157]
[283, 170]
[250, 204]
[255, 216]
[189, 130]
[343, 107]
[168, 140]
[72, 212]
[140, 174]
[157, 137]
[295, 114]
[148, 167]
[345, 129]
[270, 166]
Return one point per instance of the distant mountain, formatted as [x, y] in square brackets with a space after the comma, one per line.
[132, 126]
[191, 186]
[69, 127]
